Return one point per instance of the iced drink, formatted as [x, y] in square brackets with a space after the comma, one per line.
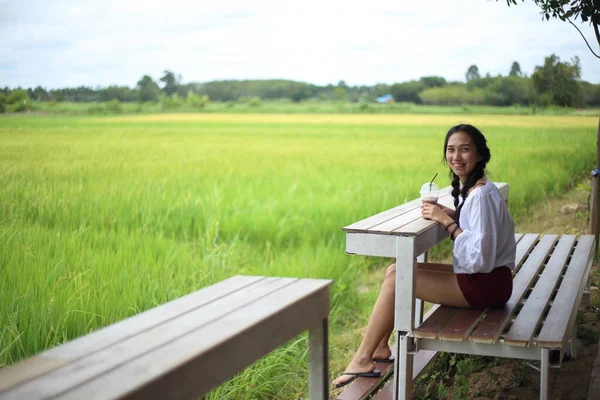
[429, 193]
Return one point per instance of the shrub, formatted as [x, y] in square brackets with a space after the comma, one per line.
[114, 106]
[19, 100]
[2, 102]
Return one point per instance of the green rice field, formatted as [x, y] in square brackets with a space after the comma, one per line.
[103, 217]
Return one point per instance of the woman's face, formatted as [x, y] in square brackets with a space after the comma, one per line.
[461, 155]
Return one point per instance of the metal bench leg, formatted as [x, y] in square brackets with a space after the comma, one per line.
[318, 359]
[573, 341]
[404, 368]
[544, 369]
[418, 302]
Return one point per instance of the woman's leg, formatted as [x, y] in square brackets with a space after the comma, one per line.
[435, 283]
[379, 327]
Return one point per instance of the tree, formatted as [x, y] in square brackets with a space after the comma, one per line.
[171, 82]
[558, 81]
[433, 81]
[407, 91]
[515, 69]
[472, 73]
[584, 10]
[148, 89]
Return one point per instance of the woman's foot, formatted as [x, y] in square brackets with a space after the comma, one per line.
[356, 365]
[382, 353]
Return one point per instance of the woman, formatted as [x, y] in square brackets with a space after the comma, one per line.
[483, 254]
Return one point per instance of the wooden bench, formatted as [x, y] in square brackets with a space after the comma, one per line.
[551, 278]
[184, 348]
[537, 323]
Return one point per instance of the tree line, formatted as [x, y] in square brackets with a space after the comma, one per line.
[553, 83]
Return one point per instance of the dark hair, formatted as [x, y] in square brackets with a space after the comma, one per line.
[478, 172]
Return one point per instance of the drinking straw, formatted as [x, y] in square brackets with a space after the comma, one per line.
[430, 183]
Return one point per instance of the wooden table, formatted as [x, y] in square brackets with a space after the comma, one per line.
[402, 233]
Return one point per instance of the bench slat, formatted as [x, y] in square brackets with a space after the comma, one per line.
[377, 219]
[61, 355]
[84, 368]
[524, 247]
[241, 337]
[562, 310]
[489, 330]
[462, 324]
[420, 224]
[431, 327]
[523, 328]
[362, 388]
[398, 222]
[363, 225]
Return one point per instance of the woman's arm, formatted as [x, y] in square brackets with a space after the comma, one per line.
[449, 211]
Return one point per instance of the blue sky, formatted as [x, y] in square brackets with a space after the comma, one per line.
[98, 43]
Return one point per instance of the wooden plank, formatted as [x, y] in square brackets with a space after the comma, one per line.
[397, 223]
[518, 237]
[365, 224]
[432, 326]
[187, 367]
[524, 247]
[462, 324]
[421, 224]
[97, 362]
[362, 388]
[523, 328]
[496, 319]
[566, 302]
[421, 360]
[73, 350]
[377, 219]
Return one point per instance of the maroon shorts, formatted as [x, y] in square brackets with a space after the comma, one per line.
[486, 289]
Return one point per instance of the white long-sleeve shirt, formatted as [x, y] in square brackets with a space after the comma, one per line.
[487, 240]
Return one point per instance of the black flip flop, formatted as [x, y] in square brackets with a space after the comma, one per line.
[373, 374]
[385, 360]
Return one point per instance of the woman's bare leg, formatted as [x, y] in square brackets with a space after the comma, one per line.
[435, 283]
[379, 327]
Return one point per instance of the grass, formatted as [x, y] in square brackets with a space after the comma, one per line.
[103, 217]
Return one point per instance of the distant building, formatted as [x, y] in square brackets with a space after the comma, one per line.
[385, 99]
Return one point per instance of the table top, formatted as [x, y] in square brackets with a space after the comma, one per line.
[405, 219]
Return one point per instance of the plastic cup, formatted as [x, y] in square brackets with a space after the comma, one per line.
[429, 193]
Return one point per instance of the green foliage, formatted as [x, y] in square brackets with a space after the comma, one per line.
[408, 91]
[340, 93]
[452, 95]
[114, 106]
[558, 80]
[171, 82]
[472, 73]
[433, 81]
[590, 94]
[196, 101]
[515, 70]
[148, 90]
[3, 102]
[510, 90]
[19, 101]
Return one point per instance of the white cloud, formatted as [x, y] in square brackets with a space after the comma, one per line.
[78, 42]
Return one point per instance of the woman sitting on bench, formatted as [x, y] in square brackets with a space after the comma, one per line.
[483, 253]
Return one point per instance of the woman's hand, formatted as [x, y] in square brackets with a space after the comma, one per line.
[435, 213]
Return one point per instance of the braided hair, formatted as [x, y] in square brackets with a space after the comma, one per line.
[478, 171]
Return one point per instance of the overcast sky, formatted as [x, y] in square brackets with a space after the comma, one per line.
[66, 43]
